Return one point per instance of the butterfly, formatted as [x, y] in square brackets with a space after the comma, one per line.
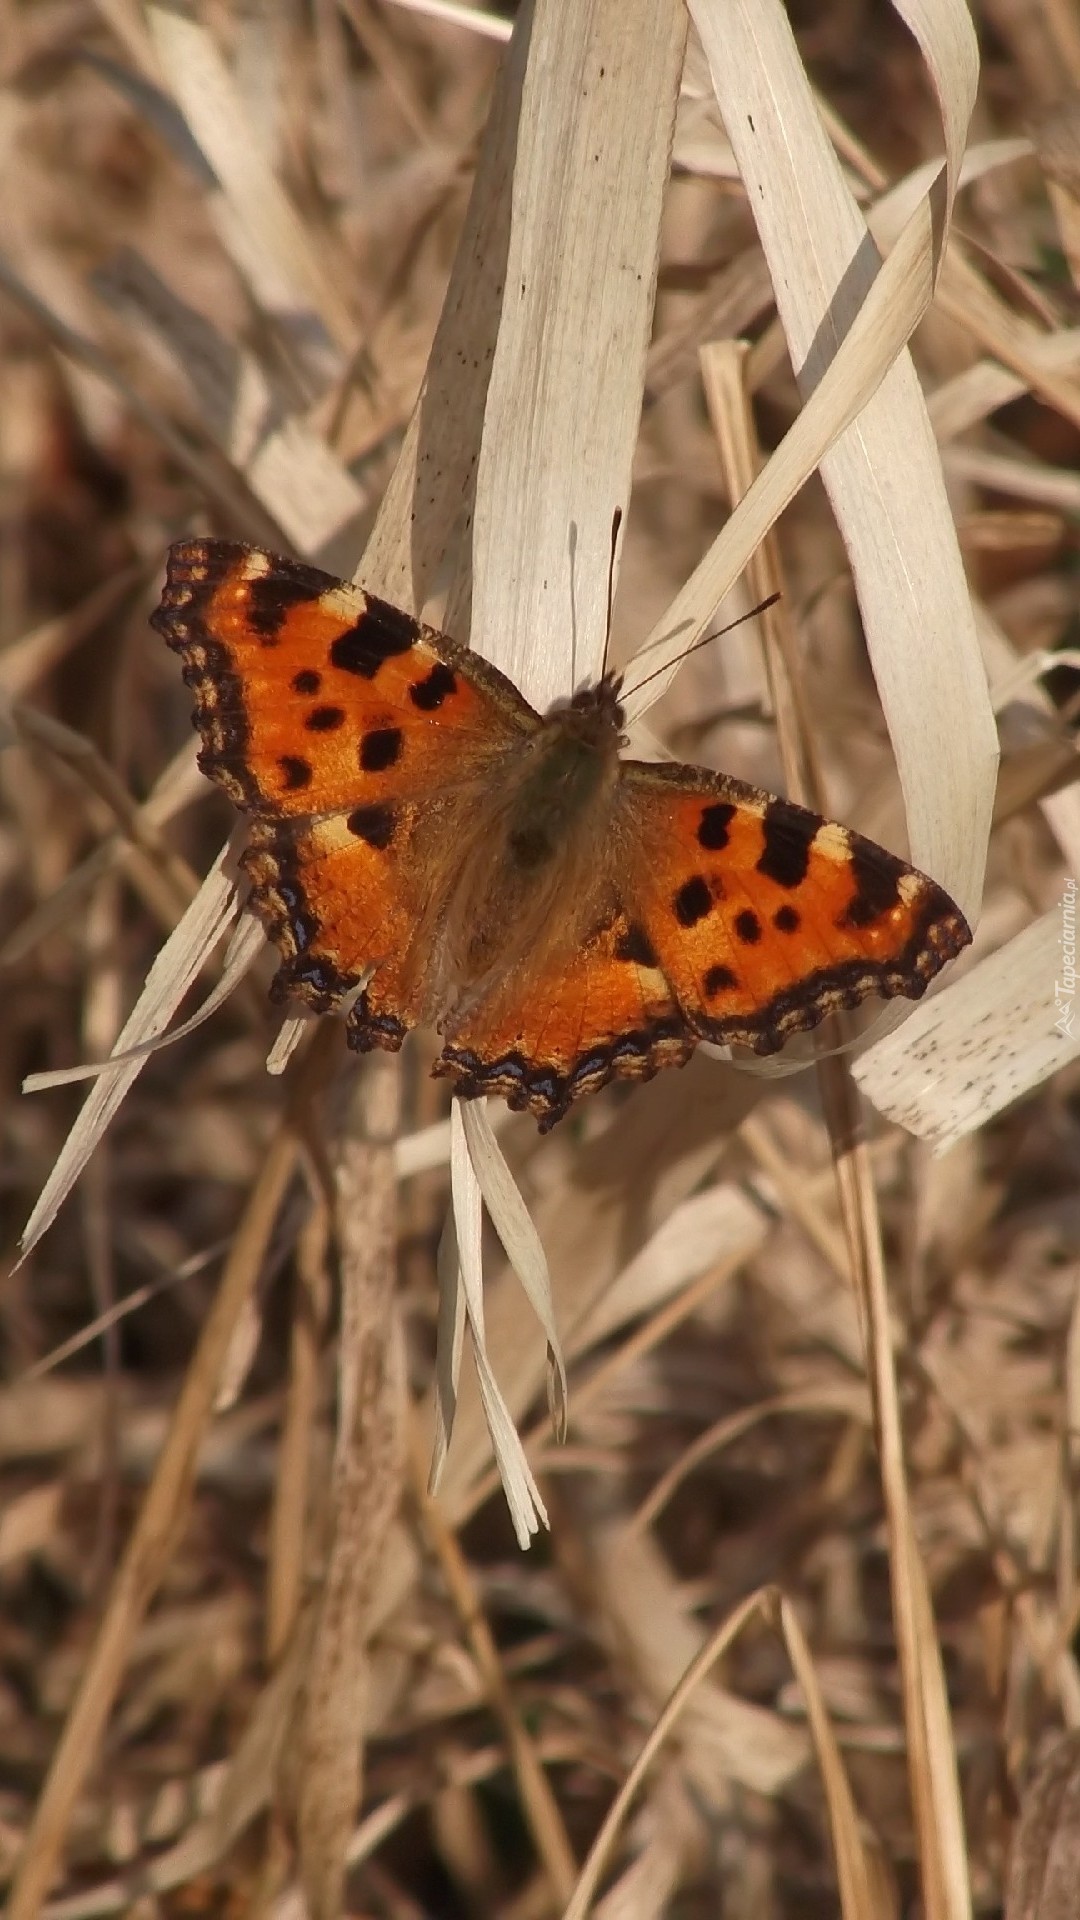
[425, 849]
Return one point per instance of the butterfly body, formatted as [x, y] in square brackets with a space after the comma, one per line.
[427, 849]
[532, 853]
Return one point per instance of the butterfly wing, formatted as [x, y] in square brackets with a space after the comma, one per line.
[764, 917]
[367, 749]
[355, 738]
[603, 1012]
[737, 916]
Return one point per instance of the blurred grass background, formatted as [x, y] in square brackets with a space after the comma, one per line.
[157, 376]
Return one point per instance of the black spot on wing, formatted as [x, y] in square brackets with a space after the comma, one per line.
[713, 826]
[719, 980]
[786, 920]
[789, 832]
[429, 693]
[375, 825]
[325, 719]
[692, 901]
[634, 944]
[272, 595]
[876, 879]
[295, 773]
[748, 927]
[381, 632]
[379, 749]
[306, 681]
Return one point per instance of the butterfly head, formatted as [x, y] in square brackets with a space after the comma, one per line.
[595, 713]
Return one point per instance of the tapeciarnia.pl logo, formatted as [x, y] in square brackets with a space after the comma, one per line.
[1065, 988]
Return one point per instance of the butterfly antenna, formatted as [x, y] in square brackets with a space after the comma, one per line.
[705, 641]
[616, 523]
[572, 542]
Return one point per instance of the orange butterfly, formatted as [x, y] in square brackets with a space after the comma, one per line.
[564, 917]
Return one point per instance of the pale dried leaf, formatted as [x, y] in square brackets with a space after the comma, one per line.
[527, 1509]
[244, 948]
[521, 1242]
[564, 402]
[982, 1042]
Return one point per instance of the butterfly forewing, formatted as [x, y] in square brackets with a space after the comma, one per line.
[312, 695]
[344, 726]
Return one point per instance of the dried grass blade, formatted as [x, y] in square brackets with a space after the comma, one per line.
[449, 1339]
[967, 298]
[564, 402]
[152, 1538]
[311, 1309]
[670, 1845]
[456, 14]
[661, 1150]
[893, 515]
[865, 1891]
[1045, 1855]
[847, 1398]
[245, 946]
[174, 971]
[932, 1768]
[521, 1242]
[563, 228]
[437, 462]
[83, 352]
[681, 1697]
[527, 1509]
[895, 522]
[895, 207]
[33, 655]
[312, 497]
[274, 241]
[538, 1800]
[324, 1761]
[893, 306]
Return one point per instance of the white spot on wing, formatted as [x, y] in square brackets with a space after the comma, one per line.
[833, 841]
[343, 603]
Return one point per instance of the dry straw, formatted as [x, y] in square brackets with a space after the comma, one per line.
[519, 450]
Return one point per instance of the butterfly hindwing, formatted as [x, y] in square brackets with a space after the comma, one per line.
[607, 1013]
[740, 917]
